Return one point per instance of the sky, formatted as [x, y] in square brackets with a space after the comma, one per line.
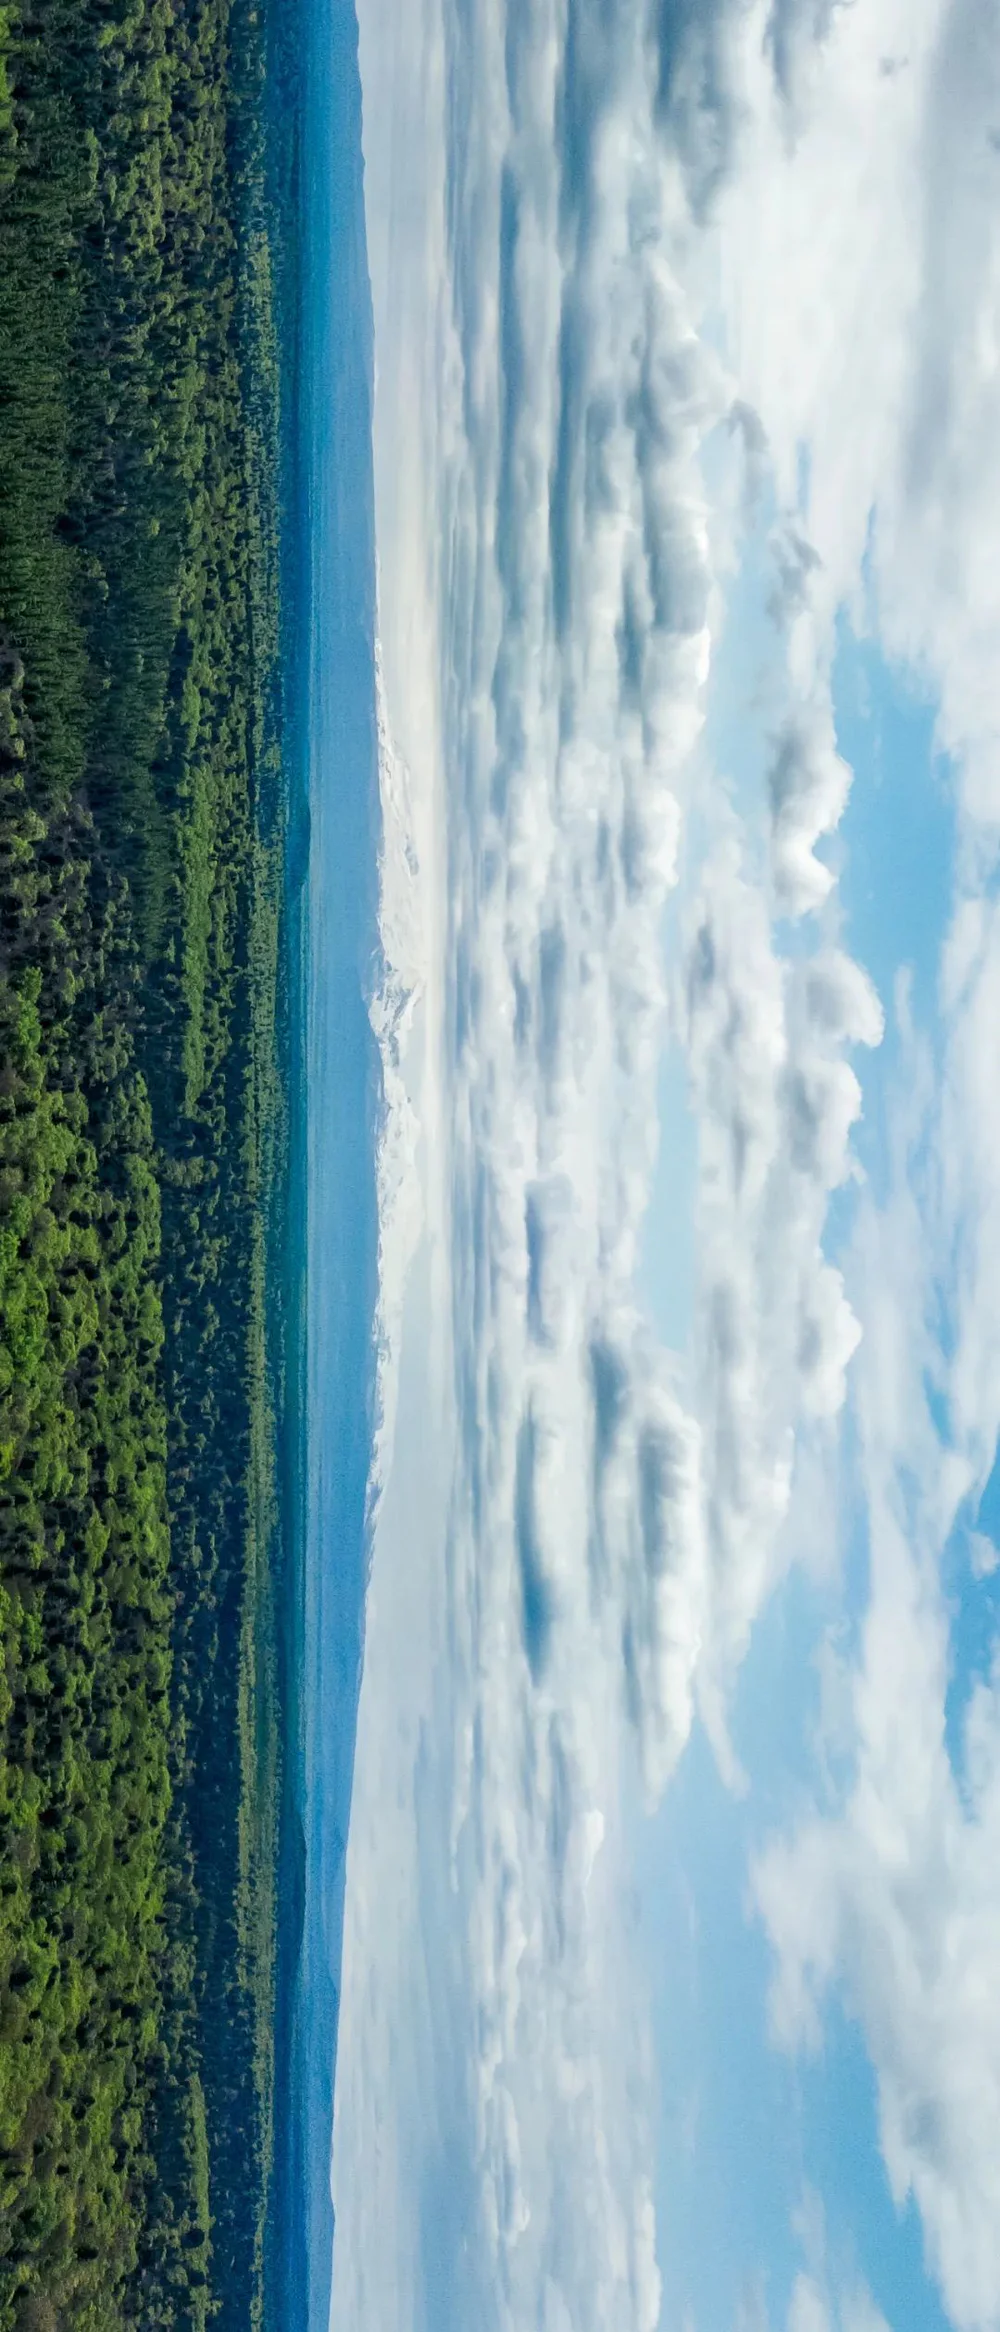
[671, 1982]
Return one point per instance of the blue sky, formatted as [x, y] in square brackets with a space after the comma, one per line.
[744, 2134]
[672, 1930]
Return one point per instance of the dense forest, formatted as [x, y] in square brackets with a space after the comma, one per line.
[141, 1159]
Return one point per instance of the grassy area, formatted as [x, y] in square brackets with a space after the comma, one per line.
[141, 1149]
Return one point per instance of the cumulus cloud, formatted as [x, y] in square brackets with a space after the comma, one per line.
[807, 2309]
[900, 1899]
[577, 1557]
[895, 1896]
[618, 1526]
[698, 98]
[626, 1518]
[572, 397]
[814, 2307]
[612, 1519]
[795, 561]
[650, 1537]
[776, 1098]
[858, 2312]
[983, 1555]
[856, 233]
[808, 785]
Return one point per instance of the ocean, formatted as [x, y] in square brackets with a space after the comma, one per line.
[335, 1112]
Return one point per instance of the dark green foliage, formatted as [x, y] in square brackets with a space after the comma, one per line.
[140, 858]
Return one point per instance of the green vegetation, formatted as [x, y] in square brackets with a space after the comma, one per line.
[141, 857]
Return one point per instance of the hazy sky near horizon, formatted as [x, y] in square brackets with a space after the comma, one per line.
[672, 1949]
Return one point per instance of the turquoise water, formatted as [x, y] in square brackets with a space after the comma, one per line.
[332, 1246]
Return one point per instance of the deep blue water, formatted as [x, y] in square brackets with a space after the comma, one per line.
[331, 1247]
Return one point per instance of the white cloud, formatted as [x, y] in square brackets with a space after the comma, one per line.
[858, 239]
[563, 240]
[858, 2312]
[814, 2307]
[577, 1560]
[856, 233]
[896, 1896]
[775, 1101]
[807, 2309]
[808, 784]
[983, 1555]
[570, 606]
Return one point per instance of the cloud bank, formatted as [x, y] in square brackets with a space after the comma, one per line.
[573, 212]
